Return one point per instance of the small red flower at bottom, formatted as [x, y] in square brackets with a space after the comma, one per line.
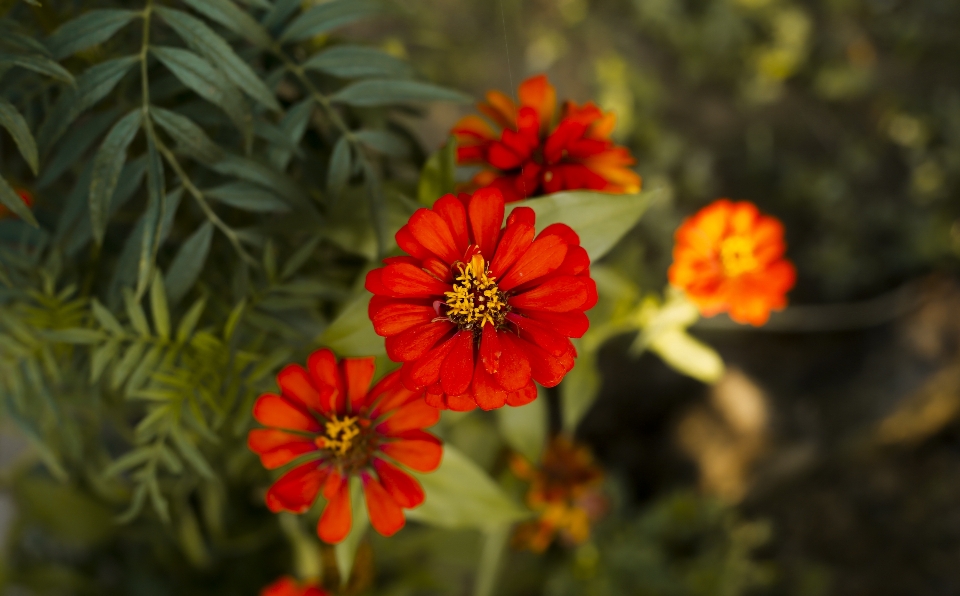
[478, 312]
[25, 196]
[328, 413]
[287, 586]
[729, 258]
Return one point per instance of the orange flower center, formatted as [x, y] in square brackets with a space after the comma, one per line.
[475, 299]
[737, 255]
[342, 437]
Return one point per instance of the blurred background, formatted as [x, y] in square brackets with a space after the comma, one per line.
[835, 426]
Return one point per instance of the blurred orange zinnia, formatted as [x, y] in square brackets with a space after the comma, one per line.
[25, 196]
[328, 413]
[531, 157]
[729, 258]
[477, 312]
[287, 586]
[564, 490]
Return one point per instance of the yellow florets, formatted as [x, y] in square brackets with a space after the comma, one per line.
[475, 299]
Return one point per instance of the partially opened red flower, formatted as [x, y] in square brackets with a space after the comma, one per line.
[287, 586]
[729, 258]
[328, 414]
[25, 195]
[525, 155]
[477, 312]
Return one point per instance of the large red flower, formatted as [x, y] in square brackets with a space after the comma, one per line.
[287, 586]
[328, 414]
[530, 156]
[477, 313]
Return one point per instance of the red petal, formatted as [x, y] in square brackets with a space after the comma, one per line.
[460, 403]
[434, 397]
[523, 396]
[487, 393]
[388, 394]
[322, 365]
[296, 490]
[560, 294]
[457, 369]
[541, 335]
[576, 262]
[546, 369]
[438, 269]
[402, 487]
[503, 157]
[433, 233]
[374, 283]
[403, 279]
[392, 317]
[524, 215]
[414, 343]
[386, 516]
[277, 448]
[358, 373]
[451, 210]
[426, 369]
[516, 241]
[572, 324]
[562, 230]
[416, 449]
[490, 349]
[297, 386]
[414, 415]
[515, 369]
[336, 520]
[543, 256]
[272, 410]
[409, 244]
[486, 217]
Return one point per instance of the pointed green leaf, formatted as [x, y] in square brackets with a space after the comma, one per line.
[37, 63]
[74, 144]
[688, 355]
[89, 29]
[92, 86]
[158, 306]
[11, 120]
[190, 137]
[351, 333]
[265, 176]
[189, 321]
[327, 17]
[293, 125]
[153, 217]
[205, 41]
[191, 454]
[128, 460]
[384, 92]
[188, 263]
[107, 166]
[138, 319]
[129, 360]
[354, 62]
[280, 12]
[300, 257]
[383, 142]
[101, 359]
[233, 18]
[600, 219]
[14, 202]
[338, 172]
[247, 197]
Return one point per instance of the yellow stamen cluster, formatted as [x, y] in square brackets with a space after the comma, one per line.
[475, 299]
[737, 255]
[339, 435]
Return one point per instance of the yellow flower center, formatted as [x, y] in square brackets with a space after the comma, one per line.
[737, 255]
[475, 299]
[339, 435]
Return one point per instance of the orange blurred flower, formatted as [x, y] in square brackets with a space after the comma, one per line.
[529, 156]
[25, 195]
[287, 586]
[729, 258]
[564, 491]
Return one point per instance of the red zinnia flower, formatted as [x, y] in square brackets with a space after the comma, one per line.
[729, 258]
[25, 196]
[328, 412]
[476, 313]
[287, 586]
[529, 158]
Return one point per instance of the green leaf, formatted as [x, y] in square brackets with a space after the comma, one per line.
[384, 92]
[89, 29]
[280, 12]
[191, 453]
[579, 390]
[293, 126]
[138, 319]
[12, 201]
[351, 333]
[261, 4]
[188, 263]
[74, 144]
[92, 86]
[383, 142]
[338, 172]
[354, 62]
[460, 495]
[190, 137]
[207, 82]
[189, 321]
[158, 306]
[438, 175]
[233, 18]
[153, 217]
[600, 219]
[39, 64]
[327, 17]
[123, 368]
[247, 197]
[346, 551]
[300, 257]
[11, 120]
[128, 460]
[75, 336]
[265, 176]
[102, 357]
[205, 41]
[524, 428]
[107, 166]
[50, 459]
[106, 318]
[688, 355]
[495, 541]
[378, 206]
